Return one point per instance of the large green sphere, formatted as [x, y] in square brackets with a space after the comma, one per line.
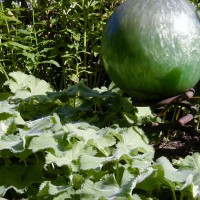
[151, 48]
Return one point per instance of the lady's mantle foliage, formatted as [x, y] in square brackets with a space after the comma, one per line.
[82, 144]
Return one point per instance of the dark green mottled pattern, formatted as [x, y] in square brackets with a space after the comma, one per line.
[151, 48]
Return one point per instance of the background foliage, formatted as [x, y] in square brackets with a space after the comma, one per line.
[59, 41]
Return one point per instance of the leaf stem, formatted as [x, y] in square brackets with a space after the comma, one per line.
[35, 34]
[4, 71]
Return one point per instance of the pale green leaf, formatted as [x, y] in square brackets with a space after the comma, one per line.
[143, 177]
[144, 112]
[132, 140]
[171, 173]
[47, 188]
[38, 127]
[91, 136]
[3, 190]
[25, 86]
[3, 127]
[56, 127]
[189, 190]
[7, 126]
[45, 141]
[101, 189]
[91, 162]
[142, 161]
[151, 179]
[67, 157]
[5, 107]
[141, 116]
[18, 82]
[65, 195]
[18, 119]
[11, 142]
[191, 163]
[137, 197]
[107, 187]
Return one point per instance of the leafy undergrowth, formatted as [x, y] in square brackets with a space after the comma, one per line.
[83, 144]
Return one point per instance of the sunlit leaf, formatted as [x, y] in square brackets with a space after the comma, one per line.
[189, 189]
[5, 107]
[74, 144]
[38, 127]
[91, 135]
[91, 162]
[172, 173]
[11, 142]
[66, 157]
[191, 163]
[47, 188]
[25, 86]
[107, 187]
[44, 141]
[132, 140]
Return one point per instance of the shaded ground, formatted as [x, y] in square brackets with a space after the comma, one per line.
[182, 137]
[175, 144]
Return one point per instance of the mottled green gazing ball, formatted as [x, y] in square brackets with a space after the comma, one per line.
[151, 48]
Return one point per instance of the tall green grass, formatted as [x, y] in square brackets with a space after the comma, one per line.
[59, 41]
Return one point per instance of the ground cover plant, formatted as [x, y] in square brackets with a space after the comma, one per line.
[83, 143]
[70, 133]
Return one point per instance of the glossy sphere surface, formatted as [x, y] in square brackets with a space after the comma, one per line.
[151, 48]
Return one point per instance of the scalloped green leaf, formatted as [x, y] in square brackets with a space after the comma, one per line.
[191, 163]
[152, 179]
[45, 141]
[48, 189]
[132, 141]
[91, 136]
[189, 190]
[37, 127]
[6, 107]
[108, 187]
[25, 86]
[13, 143]
[8, 110]
[67, 157]
[91, 162]
[171, 173]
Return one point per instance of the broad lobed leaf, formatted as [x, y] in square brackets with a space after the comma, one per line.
[80, 144]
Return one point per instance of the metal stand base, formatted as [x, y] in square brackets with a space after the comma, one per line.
[181, 100]
[182, 123]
